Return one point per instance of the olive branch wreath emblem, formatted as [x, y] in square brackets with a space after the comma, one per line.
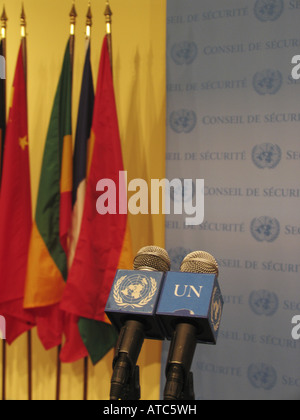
[119, 301]
[216, 310]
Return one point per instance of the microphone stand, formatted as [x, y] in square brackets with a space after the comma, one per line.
[188, 391]
[125, 379]
[180, 382]
[132, 389]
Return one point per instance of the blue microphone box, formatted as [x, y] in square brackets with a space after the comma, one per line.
[193, 298]
[134, 296]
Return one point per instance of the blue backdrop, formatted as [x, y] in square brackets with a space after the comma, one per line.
[233, 119]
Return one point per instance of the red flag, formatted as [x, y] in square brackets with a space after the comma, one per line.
[15, 211]
[104, 239]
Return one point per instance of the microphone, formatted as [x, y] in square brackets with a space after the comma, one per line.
[131, 308]
[190, 309]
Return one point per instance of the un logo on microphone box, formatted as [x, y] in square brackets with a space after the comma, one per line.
[134, 295]
[193, 298]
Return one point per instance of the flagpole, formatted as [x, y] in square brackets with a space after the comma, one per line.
[24, 54]
[58, 370]
[108, 24]
[88, 27]
[3, 41]
[3, 31]
[23, 41]
[73, 16]
[108, 21]
[3, 83]
[3, 20]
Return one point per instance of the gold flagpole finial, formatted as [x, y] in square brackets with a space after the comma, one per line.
[73, 16]
[108, 15]
[88, 21]
[4, 19]
[23, 41]
[23, 22]
[108, 20]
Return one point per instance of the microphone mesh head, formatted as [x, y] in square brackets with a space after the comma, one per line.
[152, 258]
[199, 262]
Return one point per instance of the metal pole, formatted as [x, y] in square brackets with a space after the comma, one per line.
[24, 53]
[108, 22]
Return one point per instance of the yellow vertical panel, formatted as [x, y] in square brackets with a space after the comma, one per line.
[139, 38]
[138, 33]
[139, 78]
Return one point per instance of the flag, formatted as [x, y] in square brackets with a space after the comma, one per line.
[73, 348]
[83, 131]
[104, 240]
[47, 260]
[15, 211]
[2, 115]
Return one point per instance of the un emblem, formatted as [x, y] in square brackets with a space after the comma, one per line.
[266, 155]
[183, 121]
[184, 52]
[216, 309]
[265, 229]
[268, 10]
[134, 291]
[262, 376]
[267, 82]
[263, 302]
